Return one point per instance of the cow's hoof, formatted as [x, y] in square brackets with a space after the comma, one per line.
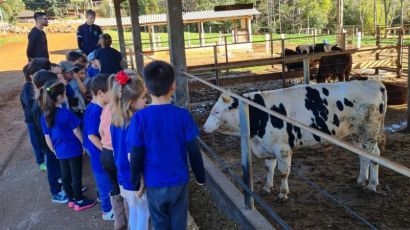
[263, 192]
[361, 186]
[280, 200]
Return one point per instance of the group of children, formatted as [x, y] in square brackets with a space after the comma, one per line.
[139, 153]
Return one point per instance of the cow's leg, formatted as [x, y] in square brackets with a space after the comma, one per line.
[374, 168]
[284, 157]
[364, 172]
[270, 167]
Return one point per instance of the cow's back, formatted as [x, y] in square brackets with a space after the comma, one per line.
[336, 109]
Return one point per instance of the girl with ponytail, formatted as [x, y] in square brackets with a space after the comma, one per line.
[63, 136]
[128, 96]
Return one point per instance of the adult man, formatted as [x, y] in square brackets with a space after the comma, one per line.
[37, 40]
[88, 34]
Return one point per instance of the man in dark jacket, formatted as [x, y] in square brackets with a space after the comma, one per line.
[88, 34]
[37, 40]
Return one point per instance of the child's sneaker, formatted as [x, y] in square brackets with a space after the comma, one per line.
[43, 167]
[83, 204]
[60, 198]
[71, 203]
[108, 215]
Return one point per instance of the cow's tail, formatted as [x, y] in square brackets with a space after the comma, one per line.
[382, 138]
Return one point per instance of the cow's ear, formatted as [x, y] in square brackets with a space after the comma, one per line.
[226, 99]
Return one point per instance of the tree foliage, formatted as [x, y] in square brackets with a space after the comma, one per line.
[11, 9]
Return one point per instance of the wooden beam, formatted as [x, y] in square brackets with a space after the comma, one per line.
[136, 35]
[177, 50]
[120, 29]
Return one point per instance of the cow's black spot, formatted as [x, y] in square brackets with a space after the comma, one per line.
[317, 138]
[235, 104]
[297, 131]
[325, 102]
[300, 142]
[381, 107]
[277, 122]
[348, 103]
[258, 119]
[315, 103]
[291, 139]
[382, 89]
[333, 132]
[339, 105]
[336, 120]
[325, 91]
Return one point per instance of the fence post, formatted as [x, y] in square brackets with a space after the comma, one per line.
[359, 40]
[132, 59]
[226, 49]
[306, 70]
[216, 65]
[271, 44]
[282, 38]
[246, 152]
[314, 36]
[400, 53]
[344, 38]
[378, 46]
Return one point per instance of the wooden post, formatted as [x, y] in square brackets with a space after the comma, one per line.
[408, 88]
[120, 29]
[400, 53]
[226, 49]
[216, 65]
[271, 44]
[306, 70]
[132, 59]
[201, 33]
[282, 37]
[314, 36]
[344, 40]
[378, 46]
[246, 152]
[339, 25]
[175, 27]
[136, 35]
[151, 32]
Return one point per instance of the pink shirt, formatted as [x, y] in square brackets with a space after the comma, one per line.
[105, 127]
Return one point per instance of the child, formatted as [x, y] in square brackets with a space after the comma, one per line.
[92, 142]
[160, 137]
[53, 166]
[109, 59]
[27, 99]
[75, 88]
[108, 163]
[63, 137]
[128, 96]
[93, 68]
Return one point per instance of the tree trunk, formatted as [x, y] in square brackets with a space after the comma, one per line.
[386, 15]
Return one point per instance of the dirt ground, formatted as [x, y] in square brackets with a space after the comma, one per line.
[333, 169]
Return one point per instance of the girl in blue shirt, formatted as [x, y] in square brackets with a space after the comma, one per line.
[63, 137]
[128, 96]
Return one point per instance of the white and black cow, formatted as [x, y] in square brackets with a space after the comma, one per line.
[354, 109]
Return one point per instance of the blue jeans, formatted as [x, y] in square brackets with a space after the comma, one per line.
[104, 187]
[53, 173]
[34, 143]
[168, 207]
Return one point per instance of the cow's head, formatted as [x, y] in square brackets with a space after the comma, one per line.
[224, 116]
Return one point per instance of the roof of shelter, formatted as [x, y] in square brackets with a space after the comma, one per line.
[188, 17]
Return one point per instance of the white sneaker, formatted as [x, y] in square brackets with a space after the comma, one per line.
[108, 215]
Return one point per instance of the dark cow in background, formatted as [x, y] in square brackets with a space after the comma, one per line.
[335, 66]
[354, 109]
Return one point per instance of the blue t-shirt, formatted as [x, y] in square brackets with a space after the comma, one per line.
[163, 131]
[121, 150]
[91, 122]
[66, 144]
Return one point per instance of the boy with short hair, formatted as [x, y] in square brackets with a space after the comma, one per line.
[161, 137]
[88, 34]
[92, 141]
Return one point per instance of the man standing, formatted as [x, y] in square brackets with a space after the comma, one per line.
[37, 40]
[88, 34]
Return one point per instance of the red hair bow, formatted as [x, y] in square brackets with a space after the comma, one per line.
[122, 78]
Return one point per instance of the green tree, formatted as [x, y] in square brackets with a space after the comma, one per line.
[40, 5]
[11, 9]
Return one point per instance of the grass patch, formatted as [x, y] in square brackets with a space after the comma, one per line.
[10, 39]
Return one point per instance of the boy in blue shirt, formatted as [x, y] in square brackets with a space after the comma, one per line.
[161, 137]
[92, 141]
